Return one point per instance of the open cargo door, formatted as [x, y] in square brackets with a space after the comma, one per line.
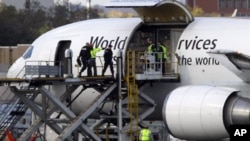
[156, 12]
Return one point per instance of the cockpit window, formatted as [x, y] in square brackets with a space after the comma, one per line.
[28, 52]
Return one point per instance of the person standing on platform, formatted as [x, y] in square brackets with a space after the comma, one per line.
[151, 47]
[108, 55]
[161, 56]
[83, 57]
[92, 60]
[151, 52]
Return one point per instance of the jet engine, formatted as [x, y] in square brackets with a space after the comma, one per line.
[204, 112]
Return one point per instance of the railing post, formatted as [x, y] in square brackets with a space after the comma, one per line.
[68, 56]
[119, 79]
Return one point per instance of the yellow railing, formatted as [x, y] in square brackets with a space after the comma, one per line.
[132, 94]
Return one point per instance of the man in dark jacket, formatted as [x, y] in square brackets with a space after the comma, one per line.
[108, 55]
[84, 56]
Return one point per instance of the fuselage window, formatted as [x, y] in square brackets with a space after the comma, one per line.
[28, 52]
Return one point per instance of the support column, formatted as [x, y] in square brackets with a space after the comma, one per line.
[119, 79]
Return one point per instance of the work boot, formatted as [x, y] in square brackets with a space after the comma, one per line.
[79, 75]
[102, 73]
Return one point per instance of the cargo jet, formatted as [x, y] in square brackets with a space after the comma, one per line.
[205, 85]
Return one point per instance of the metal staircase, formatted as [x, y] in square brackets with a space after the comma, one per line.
[11, 113]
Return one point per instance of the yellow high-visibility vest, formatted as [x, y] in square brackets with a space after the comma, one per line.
[145, 135]
[163, 54]
[94, 51]
[164, 51]
[150, 48]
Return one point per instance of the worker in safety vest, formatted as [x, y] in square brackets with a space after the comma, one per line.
[145, 134]
[92, 62]
[151, 46]
[162, 55]
[151, 52]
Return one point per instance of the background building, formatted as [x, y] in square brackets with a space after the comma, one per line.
[223, 7]
[21, 4]
[8, 54]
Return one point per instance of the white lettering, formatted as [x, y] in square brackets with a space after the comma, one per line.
[197, 44]
[117, 43]
[240, 132]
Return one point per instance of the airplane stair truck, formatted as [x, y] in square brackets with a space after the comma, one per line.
[39, 84]
[51, 103]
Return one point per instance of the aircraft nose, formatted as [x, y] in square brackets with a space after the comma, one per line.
[16, 69]
[11, 72]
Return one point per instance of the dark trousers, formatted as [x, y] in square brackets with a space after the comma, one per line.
[92, 64]
[84, 66]
[163, 66]
[106, 64]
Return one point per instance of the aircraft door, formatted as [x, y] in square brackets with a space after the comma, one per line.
[60, 51]
[156, 64]
[163, 48]
[157, 12]
[168, 39]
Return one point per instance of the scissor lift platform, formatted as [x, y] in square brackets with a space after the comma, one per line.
[37, 85]
[56, 80]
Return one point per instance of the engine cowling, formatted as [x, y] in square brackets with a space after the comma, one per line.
[197, 112]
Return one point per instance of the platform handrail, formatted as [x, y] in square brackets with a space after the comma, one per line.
[148, 61]
[41, 67]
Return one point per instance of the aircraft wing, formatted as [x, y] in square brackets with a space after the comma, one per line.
[237, 62]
